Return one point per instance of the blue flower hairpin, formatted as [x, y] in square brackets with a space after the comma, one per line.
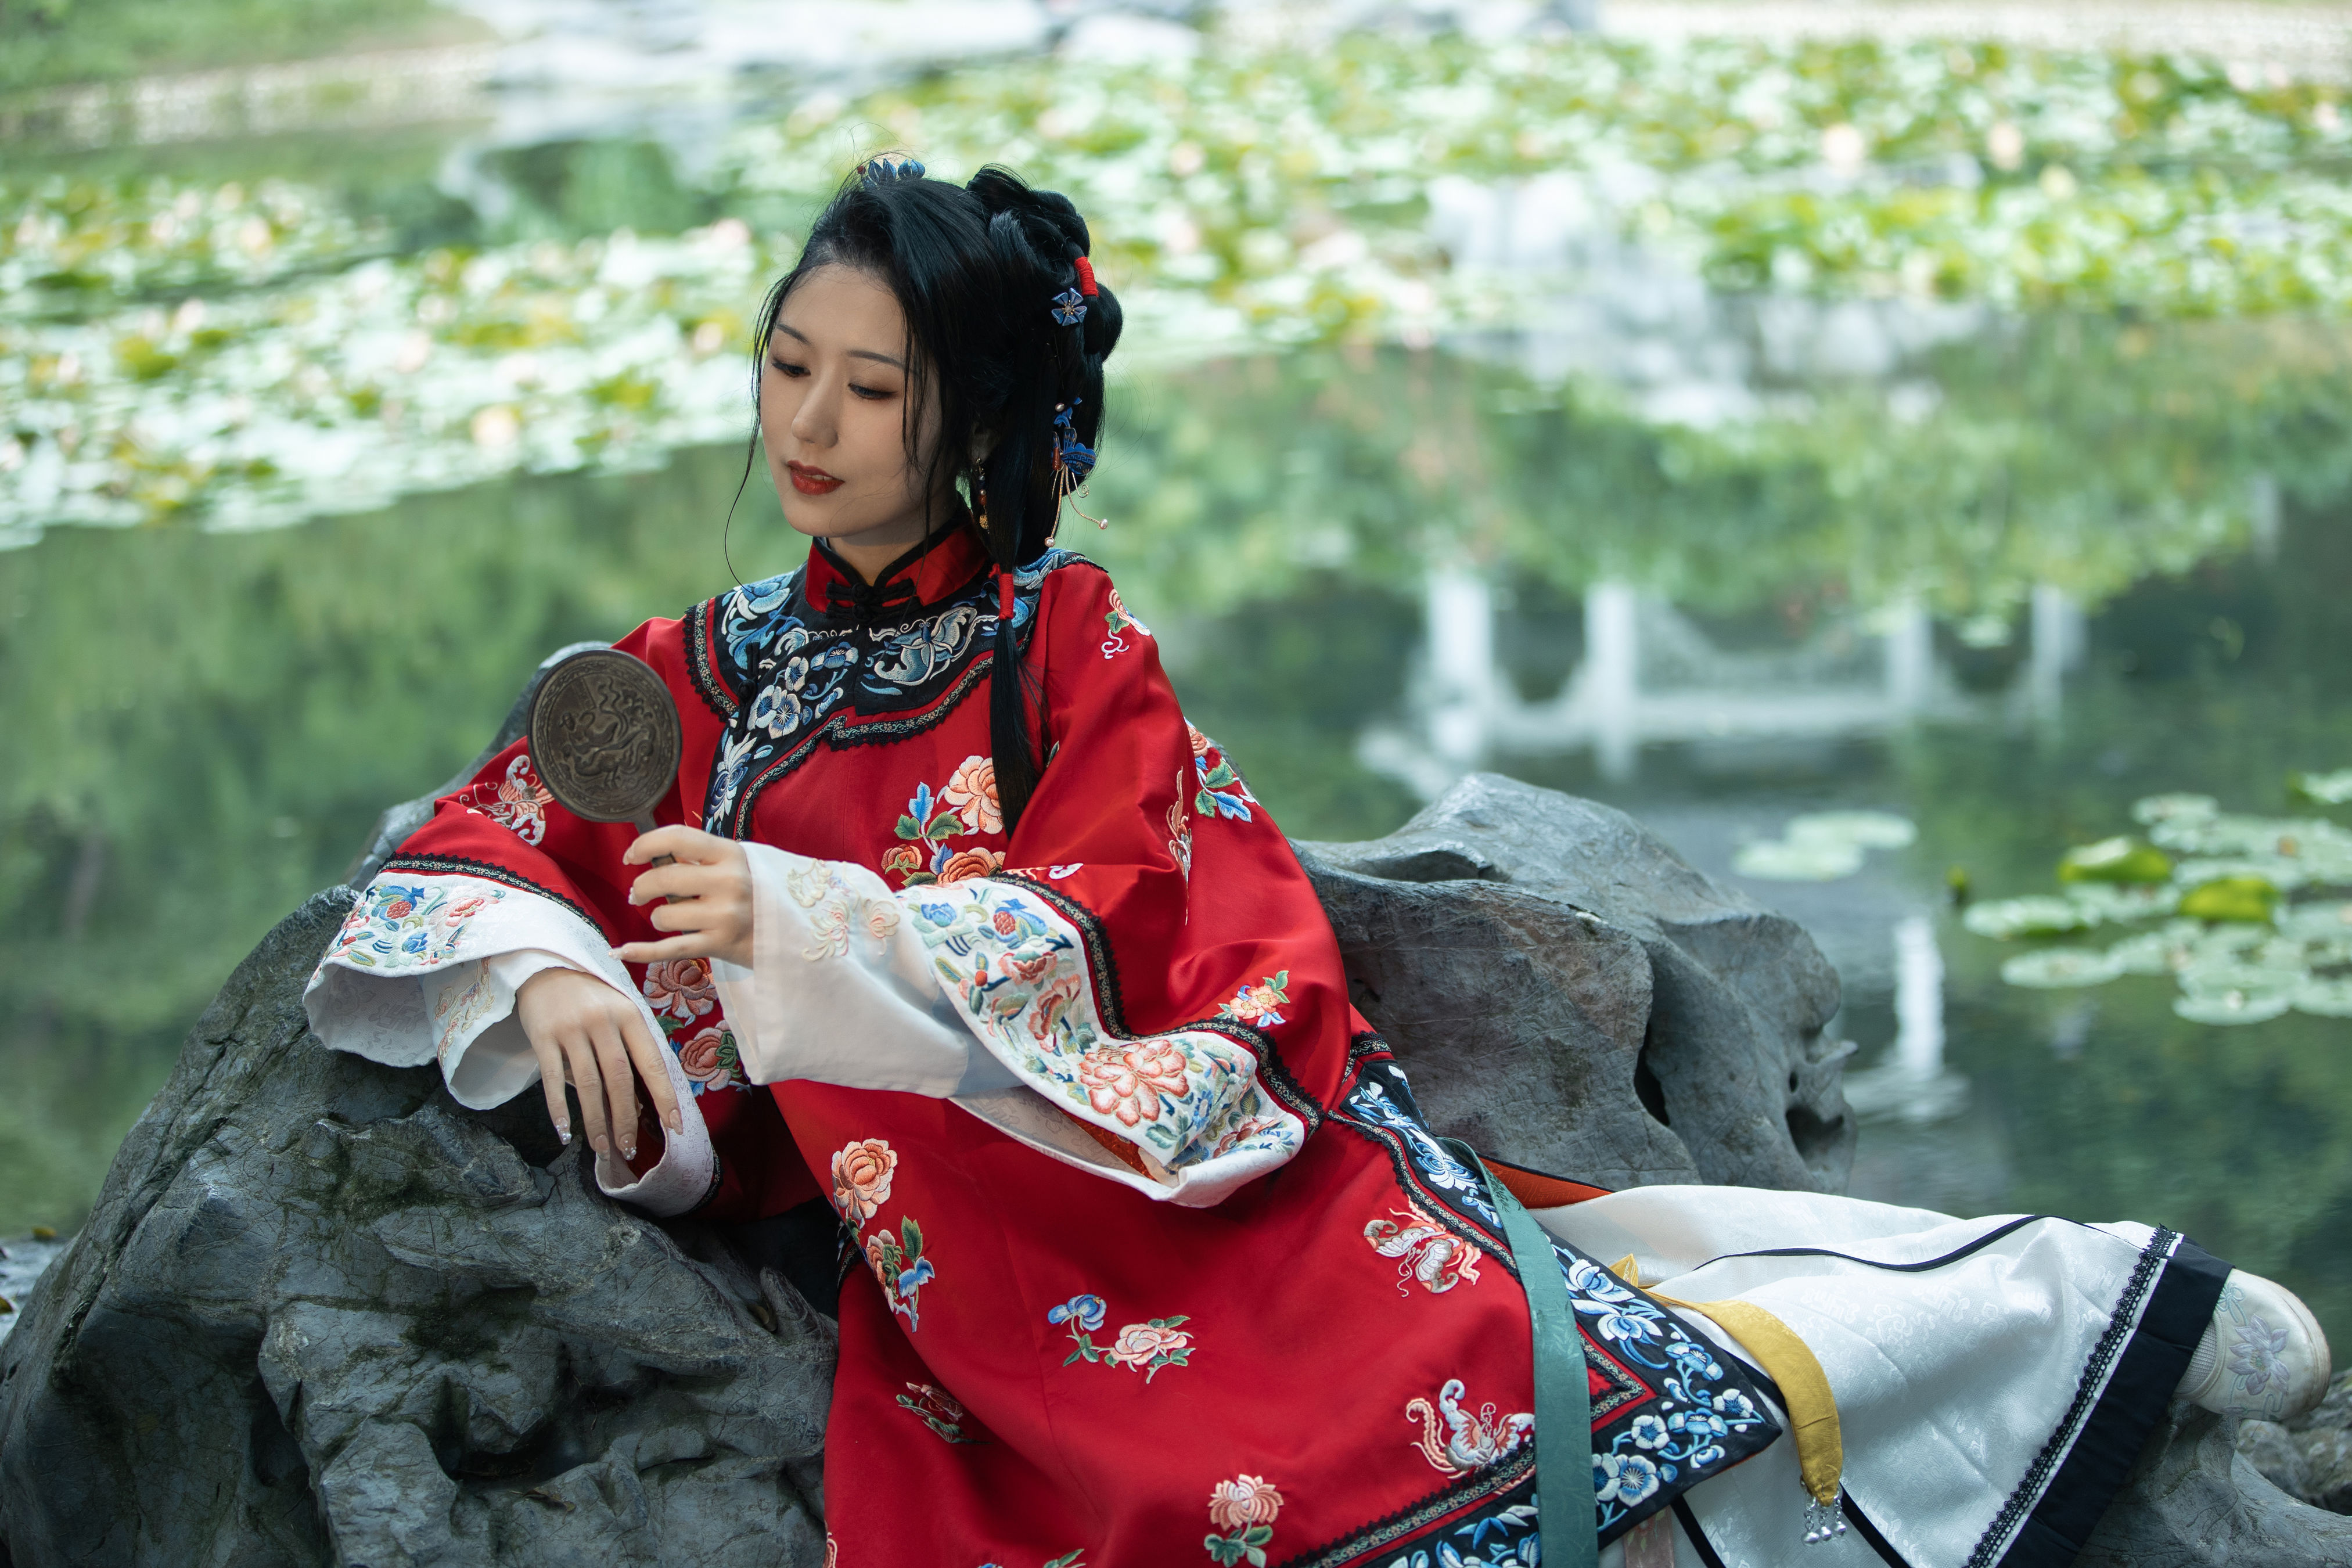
[884, 168]
[1069, 307]
[1072, 458]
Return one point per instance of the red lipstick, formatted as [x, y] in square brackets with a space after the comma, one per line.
[811, 480]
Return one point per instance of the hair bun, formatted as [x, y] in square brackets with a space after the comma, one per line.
[1048, 219]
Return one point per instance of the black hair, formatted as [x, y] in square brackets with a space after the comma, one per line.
[977, 268]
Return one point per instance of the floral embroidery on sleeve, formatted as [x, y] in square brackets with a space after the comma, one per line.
[410, 925]
[517, 802]
[966, 804]
[837, 910]
[1018, 969]
[1244, 1508]
[1147, 1346]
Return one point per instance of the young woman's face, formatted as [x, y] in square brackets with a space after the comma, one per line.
[833, 419]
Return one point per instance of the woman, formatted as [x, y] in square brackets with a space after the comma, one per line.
[1162, 1265]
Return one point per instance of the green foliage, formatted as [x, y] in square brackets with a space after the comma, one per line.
[47, 42]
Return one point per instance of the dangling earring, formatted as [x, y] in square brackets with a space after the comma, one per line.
[980, 495]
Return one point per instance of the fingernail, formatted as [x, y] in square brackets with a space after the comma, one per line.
[562, 1134]
[675, 1122]
[628, 1151]
[602, 1146]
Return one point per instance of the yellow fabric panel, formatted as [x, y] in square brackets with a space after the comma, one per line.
[1812, 1408]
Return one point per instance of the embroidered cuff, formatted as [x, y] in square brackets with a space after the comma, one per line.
[839, 990]
[1188, 1100]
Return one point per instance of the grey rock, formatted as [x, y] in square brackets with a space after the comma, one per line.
[2195, 1501]
[2272, 1449]
[323, 1314]
[1649, 1025]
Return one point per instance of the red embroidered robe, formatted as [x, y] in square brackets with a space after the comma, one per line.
[1170, 1271]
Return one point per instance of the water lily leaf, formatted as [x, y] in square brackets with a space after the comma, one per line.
[2157, 952]
[2233, 1007]
[2060, 966]
[2124, 901]
[2325, 999]
[2230, 899]
[2158, 809]
[2033, 915]
[2120, 859]
[2321, 789]
[1867, 829]
[2246, 979]
[1779, 860]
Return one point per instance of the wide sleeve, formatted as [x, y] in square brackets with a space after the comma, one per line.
[500, 883]
[1151, 965]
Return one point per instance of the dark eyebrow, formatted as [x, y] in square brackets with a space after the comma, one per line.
[890, 360]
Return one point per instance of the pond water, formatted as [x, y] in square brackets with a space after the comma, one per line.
[1722, 561]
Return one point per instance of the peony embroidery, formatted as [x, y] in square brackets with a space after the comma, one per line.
[1244, 1508]
[971, 793]
[711, 1060]
[680, 988]
[1470, 1442]
[1145, 1347]
[861, 1179]
[1128, 1081]
[1427, 1253]
[1257, 1005]
[517, 802]
[968, 805]
[938, 1410]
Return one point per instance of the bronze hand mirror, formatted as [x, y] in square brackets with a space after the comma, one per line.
[604, 737]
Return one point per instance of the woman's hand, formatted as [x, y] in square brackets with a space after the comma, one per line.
[711, 880]
[588, 1034]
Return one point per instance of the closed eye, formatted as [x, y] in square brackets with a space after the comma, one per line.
[788, 368]
[870, 394]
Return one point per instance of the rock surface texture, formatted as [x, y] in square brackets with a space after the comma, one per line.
[1569, 995]
[323, 1315]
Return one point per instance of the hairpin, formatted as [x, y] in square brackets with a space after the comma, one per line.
[1069, 307]
[885, 168]
[1074, 461]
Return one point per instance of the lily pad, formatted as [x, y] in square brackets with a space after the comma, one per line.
[2119, 860]
[2321, 789]
[2033, 915]
[2054, 967]
[1798, 861]
[2250, 898]
[2233, 1007]
[1866, 829]
[2124, 901]
[2161, 951]
[2158, 808]
[2325, 999]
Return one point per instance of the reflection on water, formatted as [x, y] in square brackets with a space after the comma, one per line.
[2107, 566]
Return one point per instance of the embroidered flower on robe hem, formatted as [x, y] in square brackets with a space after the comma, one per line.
[1244, 1508]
